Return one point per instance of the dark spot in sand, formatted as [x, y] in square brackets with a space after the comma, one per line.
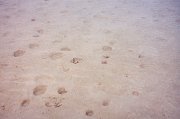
[3, 65]
[156, 20]
[89, 113]
[7, 17]
[99, 83]
[126, 75]
[5, 34]
[130, 50]
[39, 90]
[76, 60]
[1, 3]
[104, 62]
[135, 93]
[40, 31]
[62, 90]
[3, 107]
[35, 35]
[47, 104]
[33, 19]
[106, 56]
[105, 103]
[25, 102]
[19, 53]
[140, 56]
[143, 17]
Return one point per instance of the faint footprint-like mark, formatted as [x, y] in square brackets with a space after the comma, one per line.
[65, 69]
[106, 56]
[5, 34]
[2, 3]
[104, 62]
[99, 84]
[65, 49]
[3, 65]
[56, 55]
[25, 102]
[140, 56]
[126, 75]
[89, 113]
[156, 20]
[53, 102]
[3, 107]
[130, 50]
[76, 60]
[35, 35]
[61, 90]
[142, 66]
[19, 53]
[33, 45]
[33, 19]
[135, 93]
[105, 103]
[107, 48]
[39, 90]
[40, 31]
[112, 42]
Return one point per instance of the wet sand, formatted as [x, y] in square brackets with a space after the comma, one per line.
[89, 59]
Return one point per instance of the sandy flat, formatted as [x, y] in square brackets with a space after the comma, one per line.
[89, 59]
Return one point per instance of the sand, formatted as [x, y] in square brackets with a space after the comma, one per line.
[89, 59]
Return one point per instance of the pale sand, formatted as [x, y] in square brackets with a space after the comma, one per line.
[89, 59]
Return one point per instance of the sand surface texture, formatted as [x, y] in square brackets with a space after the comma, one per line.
[89, 59]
